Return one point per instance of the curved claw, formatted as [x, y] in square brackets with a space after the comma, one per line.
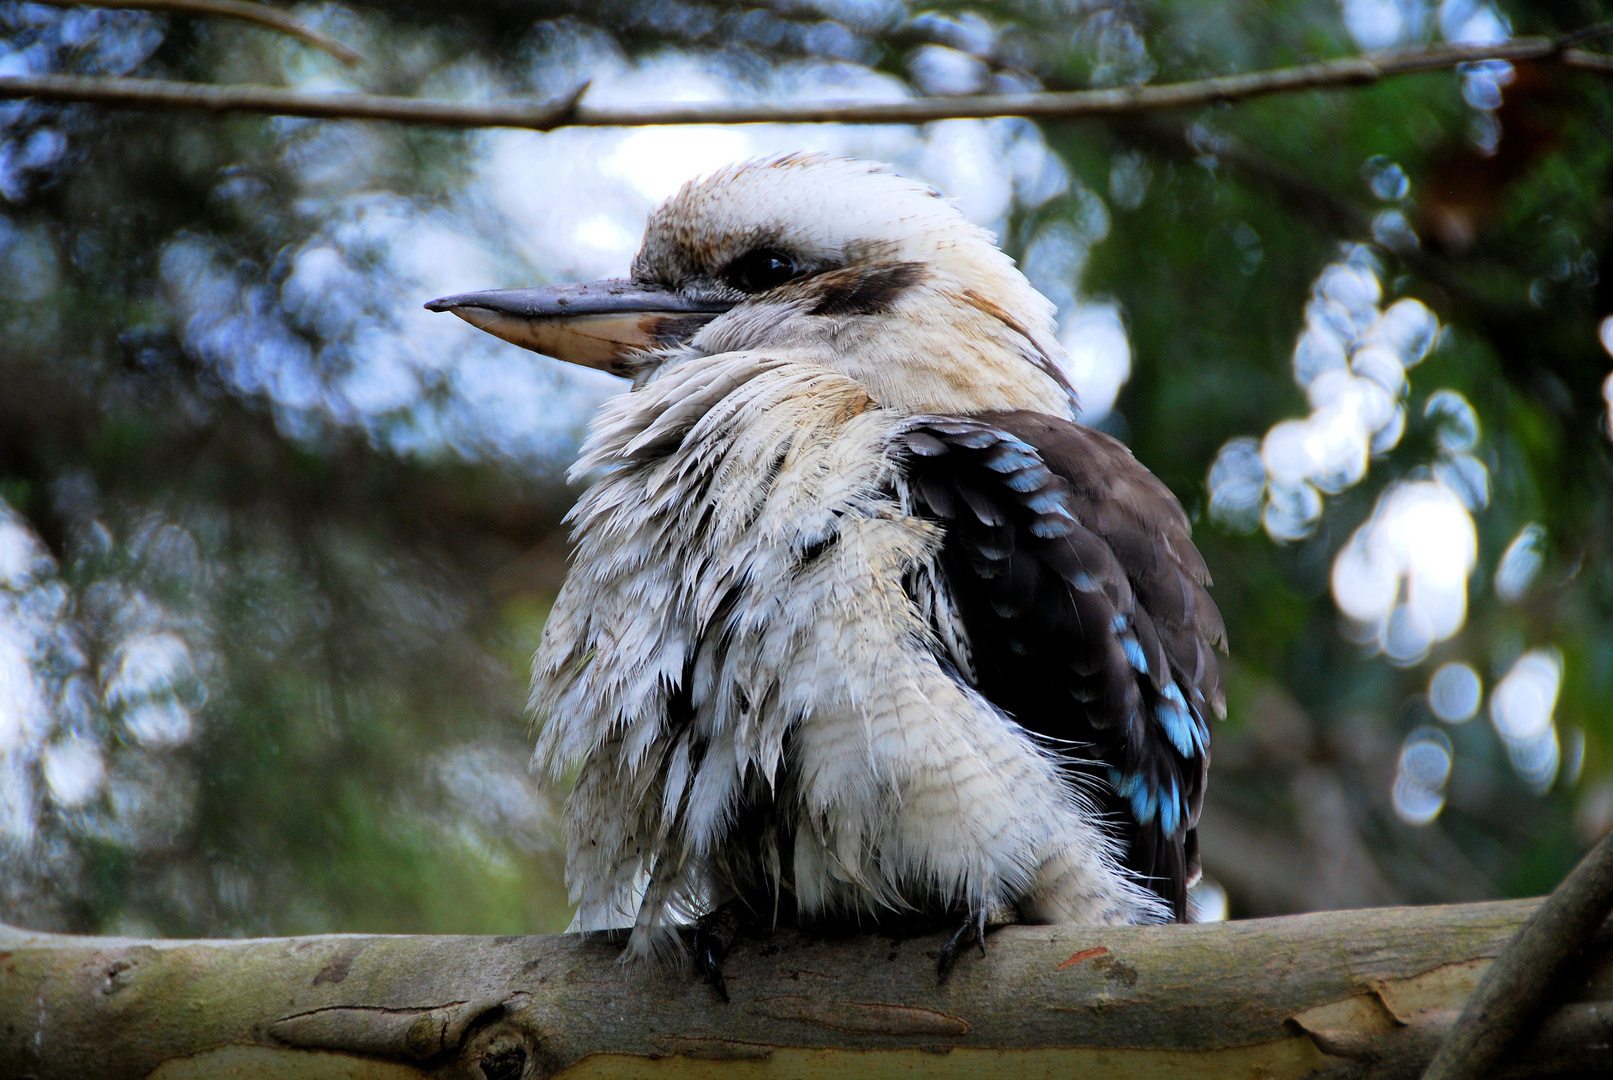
[972, 930]
[709, 959]
[714, 935]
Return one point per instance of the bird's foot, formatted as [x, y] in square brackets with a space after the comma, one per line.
[973, 931]
[715, 934]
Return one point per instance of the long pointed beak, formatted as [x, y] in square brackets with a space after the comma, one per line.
[598, 324]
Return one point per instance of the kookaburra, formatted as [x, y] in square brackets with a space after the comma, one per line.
[861, 625]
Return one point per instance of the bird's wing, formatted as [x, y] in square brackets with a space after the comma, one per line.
[1077, 603]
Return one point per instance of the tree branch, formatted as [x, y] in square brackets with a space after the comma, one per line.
[1342, 994]
[162, 94]
[245, 10]
[1516, 986]
[1601, 63]
[567, 112]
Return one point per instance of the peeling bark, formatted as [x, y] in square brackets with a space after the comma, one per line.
[1346, 994]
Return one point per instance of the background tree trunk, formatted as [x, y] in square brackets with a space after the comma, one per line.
[1340, 994]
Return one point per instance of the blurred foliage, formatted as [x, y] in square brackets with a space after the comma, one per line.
[276, 558]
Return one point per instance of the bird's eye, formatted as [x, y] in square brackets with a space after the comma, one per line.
[760, 270]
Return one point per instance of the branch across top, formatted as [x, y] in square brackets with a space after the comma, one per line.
[568, 111]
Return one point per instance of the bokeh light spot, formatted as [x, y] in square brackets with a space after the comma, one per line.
[1521, 709]
[1403, 575]
[1520, 563]
[1207, 901]
[660, 160]
[1099, 357]
[1351, 360]
[1454, 692]
[1238, 485]
[1386, 179]
[74, 770]
[1457, 425]
[159, 723]
[1424, 766]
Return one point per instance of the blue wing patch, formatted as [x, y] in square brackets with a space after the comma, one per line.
[1134, 653]
[1180, 727]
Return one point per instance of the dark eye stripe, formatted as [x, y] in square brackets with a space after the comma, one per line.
[866, 290]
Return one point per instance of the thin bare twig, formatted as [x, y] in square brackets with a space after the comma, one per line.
[1070, 105]
[1515, 987]
[245, 10]
[1585, 33]
[162, 94]
[1601, 63]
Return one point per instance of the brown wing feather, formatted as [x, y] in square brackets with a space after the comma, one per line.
[1083, 599]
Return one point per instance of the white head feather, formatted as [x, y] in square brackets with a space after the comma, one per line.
[966, 332]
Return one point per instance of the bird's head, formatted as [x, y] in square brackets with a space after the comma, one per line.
[843, 261]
